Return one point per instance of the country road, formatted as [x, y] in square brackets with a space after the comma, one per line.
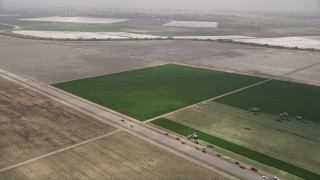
[147, 133]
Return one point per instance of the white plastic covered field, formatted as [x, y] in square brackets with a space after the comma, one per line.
[301, 42]
[83, 35]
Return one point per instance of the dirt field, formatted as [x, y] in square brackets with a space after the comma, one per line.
[186, 51]
[6, 85]
[247, 59]
[260, 61]
[223, 56]
[34, 50]
[9, 41]
[32, 124]
[5, 27]
[59, 69]
[118, 156]
[53, 63]
[124, 45]
[312, 74]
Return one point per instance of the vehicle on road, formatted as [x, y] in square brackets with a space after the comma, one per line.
[254, 169]
[209, 145]
[265, 177]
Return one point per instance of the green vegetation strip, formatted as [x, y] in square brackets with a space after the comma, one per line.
[66, 26]
[262, 158]
[276, 97]
[150, 92]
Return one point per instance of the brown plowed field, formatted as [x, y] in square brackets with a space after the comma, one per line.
[118, 156]
[32, 124]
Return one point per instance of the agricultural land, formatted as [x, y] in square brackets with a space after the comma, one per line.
[276, 97]
[122, 106]
[150, 92]
[225, 122]
[33, 124]
[286, 140]
[44, 139]
[117, 156]
[240, 150]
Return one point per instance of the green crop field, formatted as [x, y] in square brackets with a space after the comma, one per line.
[244, 151]
[66, 26]
[279, 96]
[150, 92]
[282, 140]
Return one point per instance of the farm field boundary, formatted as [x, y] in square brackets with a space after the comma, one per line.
[270, 161]
[150, 92]
[279, 96]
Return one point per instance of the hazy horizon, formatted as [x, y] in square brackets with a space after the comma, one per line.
[240, 5]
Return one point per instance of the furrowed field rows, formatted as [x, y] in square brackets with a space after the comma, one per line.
[118, 156]
[279, 96]
[270, 161]
[279, 139]
[32, 124]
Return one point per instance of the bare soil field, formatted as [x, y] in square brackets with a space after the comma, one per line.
[311, 74]
[32, 124]
[58, 69]
[5, 27]
[260, 61]
[35, 51]
[118, 156]
[186, 51]
[6, 85]
[9, 41]
[53, 63]
[124, 45]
